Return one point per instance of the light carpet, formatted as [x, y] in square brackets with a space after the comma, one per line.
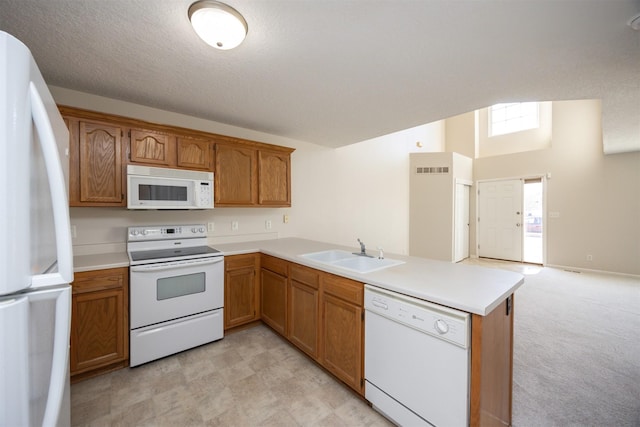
[576, 348]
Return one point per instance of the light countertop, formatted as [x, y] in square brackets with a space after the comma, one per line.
[468, 288]
[100, 261]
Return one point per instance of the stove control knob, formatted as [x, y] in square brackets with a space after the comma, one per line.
[201, 229]
[143, 232]
[194, 230]
[134, 232]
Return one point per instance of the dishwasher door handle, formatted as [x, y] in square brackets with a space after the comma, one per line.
[380, 305]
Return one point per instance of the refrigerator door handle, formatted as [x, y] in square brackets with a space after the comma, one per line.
[60, 358]
[57, 188]
[14, 361]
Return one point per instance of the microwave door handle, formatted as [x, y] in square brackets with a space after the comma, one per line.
[149, 268]
[57, 188]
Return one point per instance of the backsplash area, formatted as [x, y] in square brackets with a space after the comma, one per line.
[99, 230]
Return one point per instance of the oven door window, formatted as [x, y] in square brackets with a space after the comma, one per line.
[179, 286]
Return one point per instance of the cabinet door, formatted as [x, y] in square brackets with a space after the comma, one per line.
[240, 290]
[194, 153]
[236, 178]
[342, 340]
[95, 170]
[342, 329]
[273, 300]
[99, 326]
[274, 178]
[304, 306]
[152, 148]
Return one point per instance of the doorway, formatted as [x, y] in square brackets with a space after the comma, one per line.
[533, 221]
[510, 220]
[461, 222]
[500, 219]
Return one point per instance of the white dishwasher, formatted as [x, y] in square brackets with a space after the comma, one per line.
[416, 360]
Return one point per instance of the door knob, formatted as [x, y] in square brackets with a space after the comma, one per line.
[518, 224]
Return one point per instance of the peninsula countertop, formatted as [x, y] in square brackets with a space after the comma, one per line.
[468, 288]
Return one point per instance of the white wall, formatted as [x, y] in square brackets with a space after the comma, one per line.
[432, 204]
[361, 190]
[338, 195]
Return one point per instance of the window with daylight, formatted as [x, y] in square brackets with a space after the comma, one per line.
[513, 117]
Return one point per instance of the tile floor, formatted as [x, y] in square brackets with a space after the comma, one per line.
[250, 378]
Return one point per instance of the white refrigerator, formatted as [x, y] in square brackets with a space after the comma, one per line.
[36, 262]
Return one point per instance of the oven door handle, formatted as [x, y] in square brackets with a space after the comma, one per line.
[148, 268]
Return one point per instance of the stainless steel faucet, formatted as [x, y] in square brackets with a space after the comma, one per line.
[363, 250]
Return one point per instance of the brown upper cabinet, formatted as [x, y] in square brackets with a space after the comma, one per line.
[252, 176]
[275, 178]
[152, 148]
[95, 163]
[193, 153]
[246, 173]
[236, 178]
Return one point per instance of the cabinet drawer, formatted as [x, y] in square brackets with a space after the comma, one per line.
[346, 289]
[98, 280]
[274, 264]
[235, 262]
[305, 275]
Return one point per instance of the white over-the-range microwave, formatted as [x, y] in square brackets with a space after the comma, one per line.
[163, 188]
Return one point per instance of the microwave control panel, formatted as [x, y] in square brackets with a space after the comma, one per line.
[205, 195]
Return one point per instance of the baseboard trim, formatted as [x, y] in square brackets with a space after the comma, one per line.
[589, 270]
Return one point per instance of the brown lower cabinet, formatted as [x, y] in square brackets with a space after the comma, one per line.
[342, 329]
[241, 290]
[99, 322]
[319, 313]
[274, 275]
[303, 308]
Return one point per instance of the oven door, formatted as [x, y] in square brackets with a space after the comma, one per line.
[170, 290]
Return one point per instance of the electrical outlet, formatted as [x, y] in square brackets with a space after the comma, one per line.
[73, 232]
[267, 224]
[589, 257]
[234, 225]
[210, 227]
[285, 218]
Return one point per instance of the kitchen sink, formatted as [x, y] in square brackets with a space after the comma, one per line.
[349, 261]
[329, 256]
[363, 264]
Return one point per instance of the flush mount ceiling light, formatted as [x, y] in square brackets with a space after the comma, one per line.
[218, 24]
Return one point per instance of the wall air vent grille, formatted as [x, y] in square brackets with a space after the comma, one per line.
[438, 170]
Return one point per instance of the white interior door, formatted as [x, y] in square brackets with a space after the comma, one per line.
[461, 223]
[500, 219]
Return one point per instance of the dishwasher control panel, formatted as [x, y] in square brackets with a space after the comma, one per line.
[438, 321]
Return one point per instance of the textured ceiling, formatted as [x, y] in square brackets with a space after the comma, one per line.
[338, 72]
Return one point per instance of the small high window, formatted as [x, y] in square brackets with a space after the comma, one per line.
[513, 117]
